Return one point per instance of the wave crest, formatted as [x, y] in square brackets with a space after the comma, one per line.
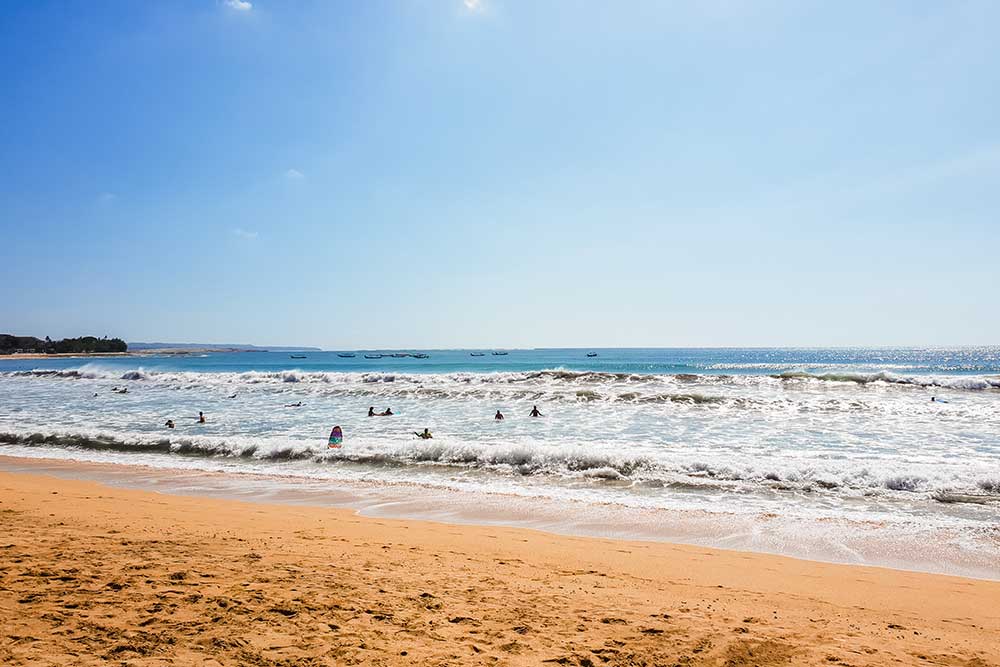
[966, 382]
[521, 459]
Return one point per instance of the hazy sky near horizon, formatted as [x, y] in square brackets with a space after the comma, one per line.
[499, 173]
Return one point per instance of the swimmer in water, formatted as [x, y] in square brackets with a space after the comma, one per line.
[371, 412]
[534, 412]
[201, 417]
[386, 413]
[426, 435]
[233, 396]
[294, 405]
[498, 416]
[170, 423]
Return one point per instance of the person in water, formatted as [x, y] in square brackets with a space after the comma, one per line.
[201, 417]
[426, 435]
[371, 411]
[170, 423]
[387, 413]
[233, 396]
[498, 416]
[294, 405]
[534, 412]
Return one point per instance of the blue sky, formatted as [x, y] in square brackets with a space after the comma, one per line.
[449, 173]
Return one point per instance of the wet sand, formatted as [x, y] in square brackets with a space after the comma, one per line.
[90, 575]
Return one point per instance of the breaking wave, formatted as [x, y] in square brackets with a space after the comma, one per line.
[528, 460]
[522, 459]
[962, 382]
[587, 385]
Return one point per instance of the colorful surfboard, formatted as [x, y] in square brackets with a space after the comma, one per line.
[336, 438]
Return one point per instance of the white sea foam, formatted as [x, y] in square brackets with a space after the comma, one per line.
[842, 477]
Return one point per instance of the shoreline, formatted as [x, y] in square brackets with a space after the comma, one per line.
[92, 573]
[820, 541]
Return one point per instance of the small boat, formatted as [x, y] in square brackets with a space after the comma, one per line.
[421, 356]
[349, 355]
[499, 354]
[373, 356]
[477, 354]
[297, 356]
[399, 355]
[591, 354]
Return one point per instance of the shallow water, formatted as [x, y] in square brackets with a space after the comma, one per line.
[843, 445]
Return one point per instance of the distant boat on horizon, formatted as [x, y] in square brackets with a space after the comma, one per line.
[591, 354]
[420, 355]
[399, 355]
[373, 356]
[499, 354]
[477, 354]
[346, 355]
[298, 356]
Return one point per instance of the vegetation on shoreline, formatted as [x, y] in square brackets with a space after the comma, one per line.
[10, 344]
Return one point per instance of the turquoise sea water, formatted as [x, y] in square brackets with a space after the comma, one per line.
[953, 361]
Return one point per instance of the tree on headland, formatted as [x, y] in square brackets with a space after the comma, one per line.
[85, 344]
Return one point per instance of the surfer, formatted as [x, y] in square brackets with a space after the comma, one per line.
[386, 413]
[201, 417]
[371, 411]
[534, 412]
[426, 435]
[498, 416]
[294, 405]
[170, 423]
[233, 396]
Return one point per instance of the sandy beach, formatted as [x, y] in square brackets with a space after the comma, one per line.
[91, 574]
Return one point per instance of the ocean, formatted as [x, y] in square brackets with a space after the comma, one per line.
[887, 456]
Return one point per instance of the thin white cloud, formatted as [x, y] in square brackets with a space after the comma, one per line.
[239, 5]
[244, 234]
[473, 5]
[294, 175]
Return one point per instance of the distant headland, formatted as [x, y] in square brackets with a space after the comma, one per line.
[27, 347]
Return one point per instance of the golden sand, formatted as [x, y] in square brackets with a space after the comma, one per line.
[95, 575]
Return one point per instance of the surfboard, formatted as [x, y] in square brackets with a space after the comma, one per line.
[336, 438]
